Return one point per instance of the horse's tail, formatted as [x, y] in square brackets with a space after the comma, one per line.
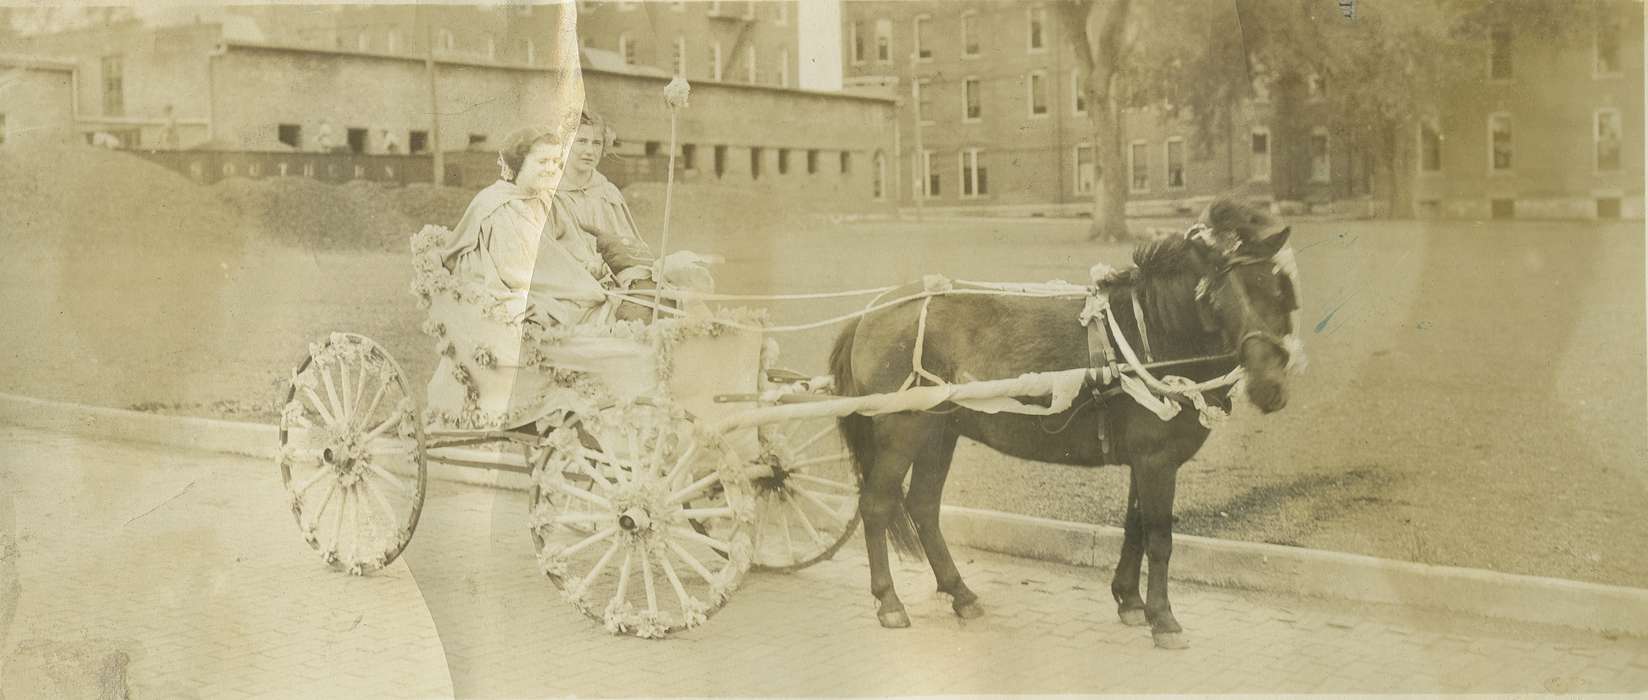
[858, 431]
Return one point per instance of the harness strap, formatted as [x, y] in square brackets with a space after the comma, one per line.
[1138, 319]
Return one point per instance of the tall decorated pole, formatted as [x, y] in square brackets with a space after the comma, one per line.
[675, 97]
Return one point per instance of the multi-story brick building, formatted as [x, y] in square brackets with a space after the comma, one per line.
[1002, 125]
[1540, 129]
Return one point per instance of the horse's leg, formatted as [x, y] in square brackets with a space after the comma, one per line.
[896, 440]
[932, 467]
[1156, 479]
[1124, 586]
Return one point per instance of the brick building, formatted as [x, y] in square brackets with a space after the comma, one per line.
[1540, 130]
[37, 99]
[1003, 126]
[277, 77]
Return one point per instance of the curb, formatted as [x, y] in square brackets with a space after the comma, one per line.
[1203, 560]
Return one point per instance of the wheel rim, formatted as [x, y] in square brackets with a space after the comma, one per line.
[352, 454]
[808, 508]
[625, 540]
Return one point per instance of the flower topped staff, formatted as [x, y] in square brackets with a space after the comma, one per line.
[675, 97]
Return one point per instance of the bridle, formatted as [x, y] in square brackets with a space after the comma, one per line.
[1232, 261]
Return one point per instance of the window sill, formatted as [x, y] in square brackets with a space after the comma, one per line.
[972, 120]
[1043, 115]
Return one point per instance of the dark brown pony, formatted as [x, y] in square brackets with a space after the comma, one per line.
[1219, 293]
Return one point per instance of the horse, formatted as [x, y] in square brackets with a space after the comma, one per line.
[1219, 298]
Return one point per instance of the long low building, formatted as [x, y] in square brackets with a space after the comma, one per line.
[197, 86]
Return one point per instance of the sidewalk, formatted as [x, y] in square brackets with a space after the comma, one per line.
[190, 565]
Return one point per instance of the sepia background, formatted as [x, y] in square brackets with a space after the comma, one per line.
[191, 194]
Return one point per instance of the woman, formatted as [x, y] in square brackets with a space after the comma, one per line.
[516, 244]
[599, 210]
[516, 257]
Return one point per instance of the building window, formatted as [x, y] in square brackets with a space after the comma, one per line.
[749, 64]
[1607, 140]
[680, 58]
[1037, 86]
[448, 41]
[1607, 49]
[1499, 142]
[477, 141]
[1321, 169]
[626, 49]
[878, 180]
[784, 67]
[1502, 208]
[2, 128]
[884, 40]
[969, 34]
[689, 157]
[1430, 146]
[924, 102]
[114, 87]
[923, 52]
[394, 41]
[783, 161]
[974, 182]
[1038, 28]
[1078, 93]
[1607, 207]
[1259, 155]
[1499, 54]
[812, 161]
[855, 40]
[720, 156]
[972, 110]
[715, 8]
[586, 6]
[1085, 172]
[715, 61]
[927, 178]
[1138, 167]
[356, 138]
[290, 134]
[651, 148]
[755, 163]
[1175, 164]
[417, 142]
[846, 162]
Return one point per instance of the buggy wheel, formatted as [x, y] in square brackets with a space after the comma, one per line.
[807, 509]
[620, 510]
[352, 453]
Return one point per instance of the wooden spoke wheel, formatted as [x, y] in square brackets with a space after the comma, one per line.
[808, 507]
[352, 453]
[622, 505]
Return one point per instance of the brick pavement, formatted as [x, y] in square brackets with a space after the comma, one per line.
[216, 595]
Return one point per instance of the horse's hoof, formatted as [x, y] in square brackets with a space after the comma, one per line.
[1134, 617]
[893, 619]
[1171, 640]
[969, 611]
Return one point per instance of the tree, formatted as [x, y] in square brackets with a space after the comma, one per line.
[1096, 29]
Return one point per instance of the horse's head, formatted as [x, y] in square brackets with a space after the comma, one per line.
[1249, 294]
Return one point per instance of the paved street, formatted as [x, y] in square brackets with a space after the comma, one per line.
[182, 575]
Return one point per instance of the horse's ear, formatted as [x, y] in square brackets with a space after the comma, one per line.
[1269, 245]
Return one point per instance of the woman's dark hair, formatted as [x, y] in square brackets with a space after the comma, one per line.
[609, 136]
[520, 142]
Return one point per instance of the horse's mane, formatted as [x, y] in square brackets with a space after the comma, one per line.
[1165, 272]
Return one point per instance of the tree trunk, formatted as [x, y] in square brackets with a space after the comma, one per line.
[1096, 32]
[1110, 186]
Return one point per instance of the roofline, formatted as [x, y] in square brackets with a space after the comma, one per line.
[457, 61]
[27, 61]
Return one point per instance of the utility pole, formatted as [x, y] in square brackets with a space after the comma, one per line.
[434, 98]
[923, 168]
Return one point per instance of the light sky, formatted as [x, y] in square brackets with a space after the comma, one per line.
[820, 30]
